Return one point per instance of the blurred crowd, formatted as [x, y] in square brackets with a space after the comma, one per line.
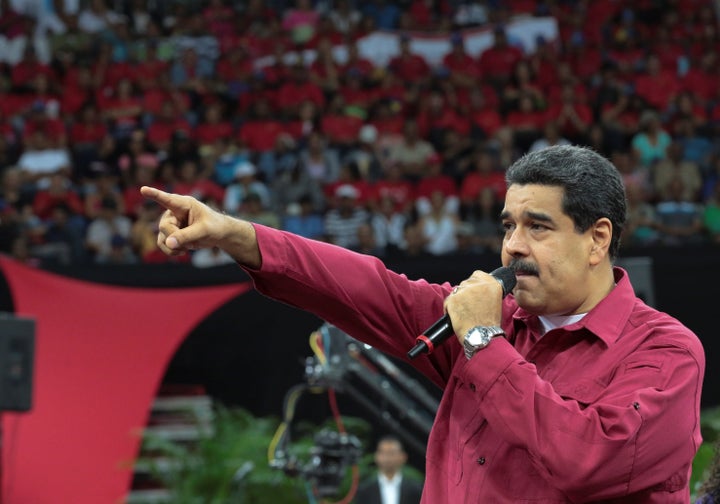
[220, 100]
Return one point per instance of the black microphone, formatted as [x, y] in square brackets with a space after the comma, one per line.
[442, 329]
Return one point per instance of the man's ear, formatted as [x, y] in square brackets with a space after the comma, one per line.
[601, 235]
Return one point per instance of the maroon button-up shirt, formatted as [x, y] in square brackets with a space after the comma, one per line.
[605, 409]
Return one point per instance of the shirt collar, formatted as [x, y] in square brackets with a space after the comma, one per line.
[606, 319]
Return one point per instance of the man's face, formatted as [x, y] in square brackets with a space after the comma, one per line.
[389, 457]
[553, 260]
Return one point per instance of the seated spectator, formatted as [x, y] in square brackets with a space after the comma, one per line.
[151, 72]
[572, 116]
[293, 183]
[297, 89]
[340, 125]
[108, 235]
[191, 181]
[324, 71]
[23, 71]
[388, 226]
[484, 116]
[459, 65]
[675, 166]
[439, 226]
[104, 183]
[123, 110]
[697, 148]
[301, 21]
[344, 17]
[685, 109]
[192, 71]
[437, 115]
[306, 122]
[356, 64]
[260, 132]
[367, 242]
[435, 180]
[350, 174]
[143, 233]
[252, 210]
[526, 122]
[497, 62]
[164, 125]
[411, 152]
[86, 135]
[342, 223]
[522, 82]
[651, 142]
[212, 127]
[657, 86]
[482, 219]
[640, 226]
[319, 161]
[303, 219]
[407, 65]
[679, 221]
[96, 17]
[245, 182]
[395, 186]
[484, 173]
[366, 154]
[711, 215]
[40, 160]
[551, 136]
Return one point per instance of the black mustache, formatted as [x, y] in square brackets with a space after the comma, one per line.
[520, 266]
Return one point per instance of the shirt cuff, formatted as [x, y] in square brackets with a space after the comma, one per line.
[483, 369]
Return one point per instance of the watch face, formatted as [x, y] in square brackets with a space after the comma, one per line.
[477, 337]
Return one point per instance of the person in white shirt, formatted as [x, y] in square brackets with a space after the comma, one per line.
[389, 486]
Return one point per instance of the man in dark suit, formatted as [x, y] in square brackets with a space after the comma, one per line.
[389, 486]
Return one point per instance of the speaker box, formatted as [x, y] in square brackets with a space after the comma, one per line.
[17, 354]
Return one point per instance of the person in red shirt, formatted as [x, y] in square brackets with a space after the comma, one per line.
[152, 72]
[496, 63]
[260, 132]
[559, 382]
[484, 117]
[408, 66]
[484, 173]
[190, 181]
[572, 116]
[298, 89]
[435, 180]
[656, 85]
[394, 186]
[340, 127]
[123, 109]
[213, 126]
[356, 63]
[526, 122]
[23, 73]
[325, 70]
[437, 116]
[461, 67]
[164, 125]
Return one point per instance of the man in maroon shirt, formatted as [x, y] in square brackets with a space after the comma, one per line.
[570, 389]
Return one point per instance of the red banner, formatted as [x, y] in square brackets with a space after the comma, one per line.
[100, 355]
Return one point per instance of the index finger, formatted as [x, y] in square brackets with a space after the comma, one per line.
[172, 202]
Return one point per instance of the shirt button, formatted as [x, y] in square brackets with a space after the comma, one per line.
[636, 405]
[472, 387]
[481, 461]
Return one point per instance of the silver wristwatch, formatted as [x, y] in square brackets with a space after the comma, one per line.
[479, 337]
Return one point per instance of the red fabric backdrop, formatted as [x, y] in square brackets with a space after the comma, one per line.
[100, 354]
